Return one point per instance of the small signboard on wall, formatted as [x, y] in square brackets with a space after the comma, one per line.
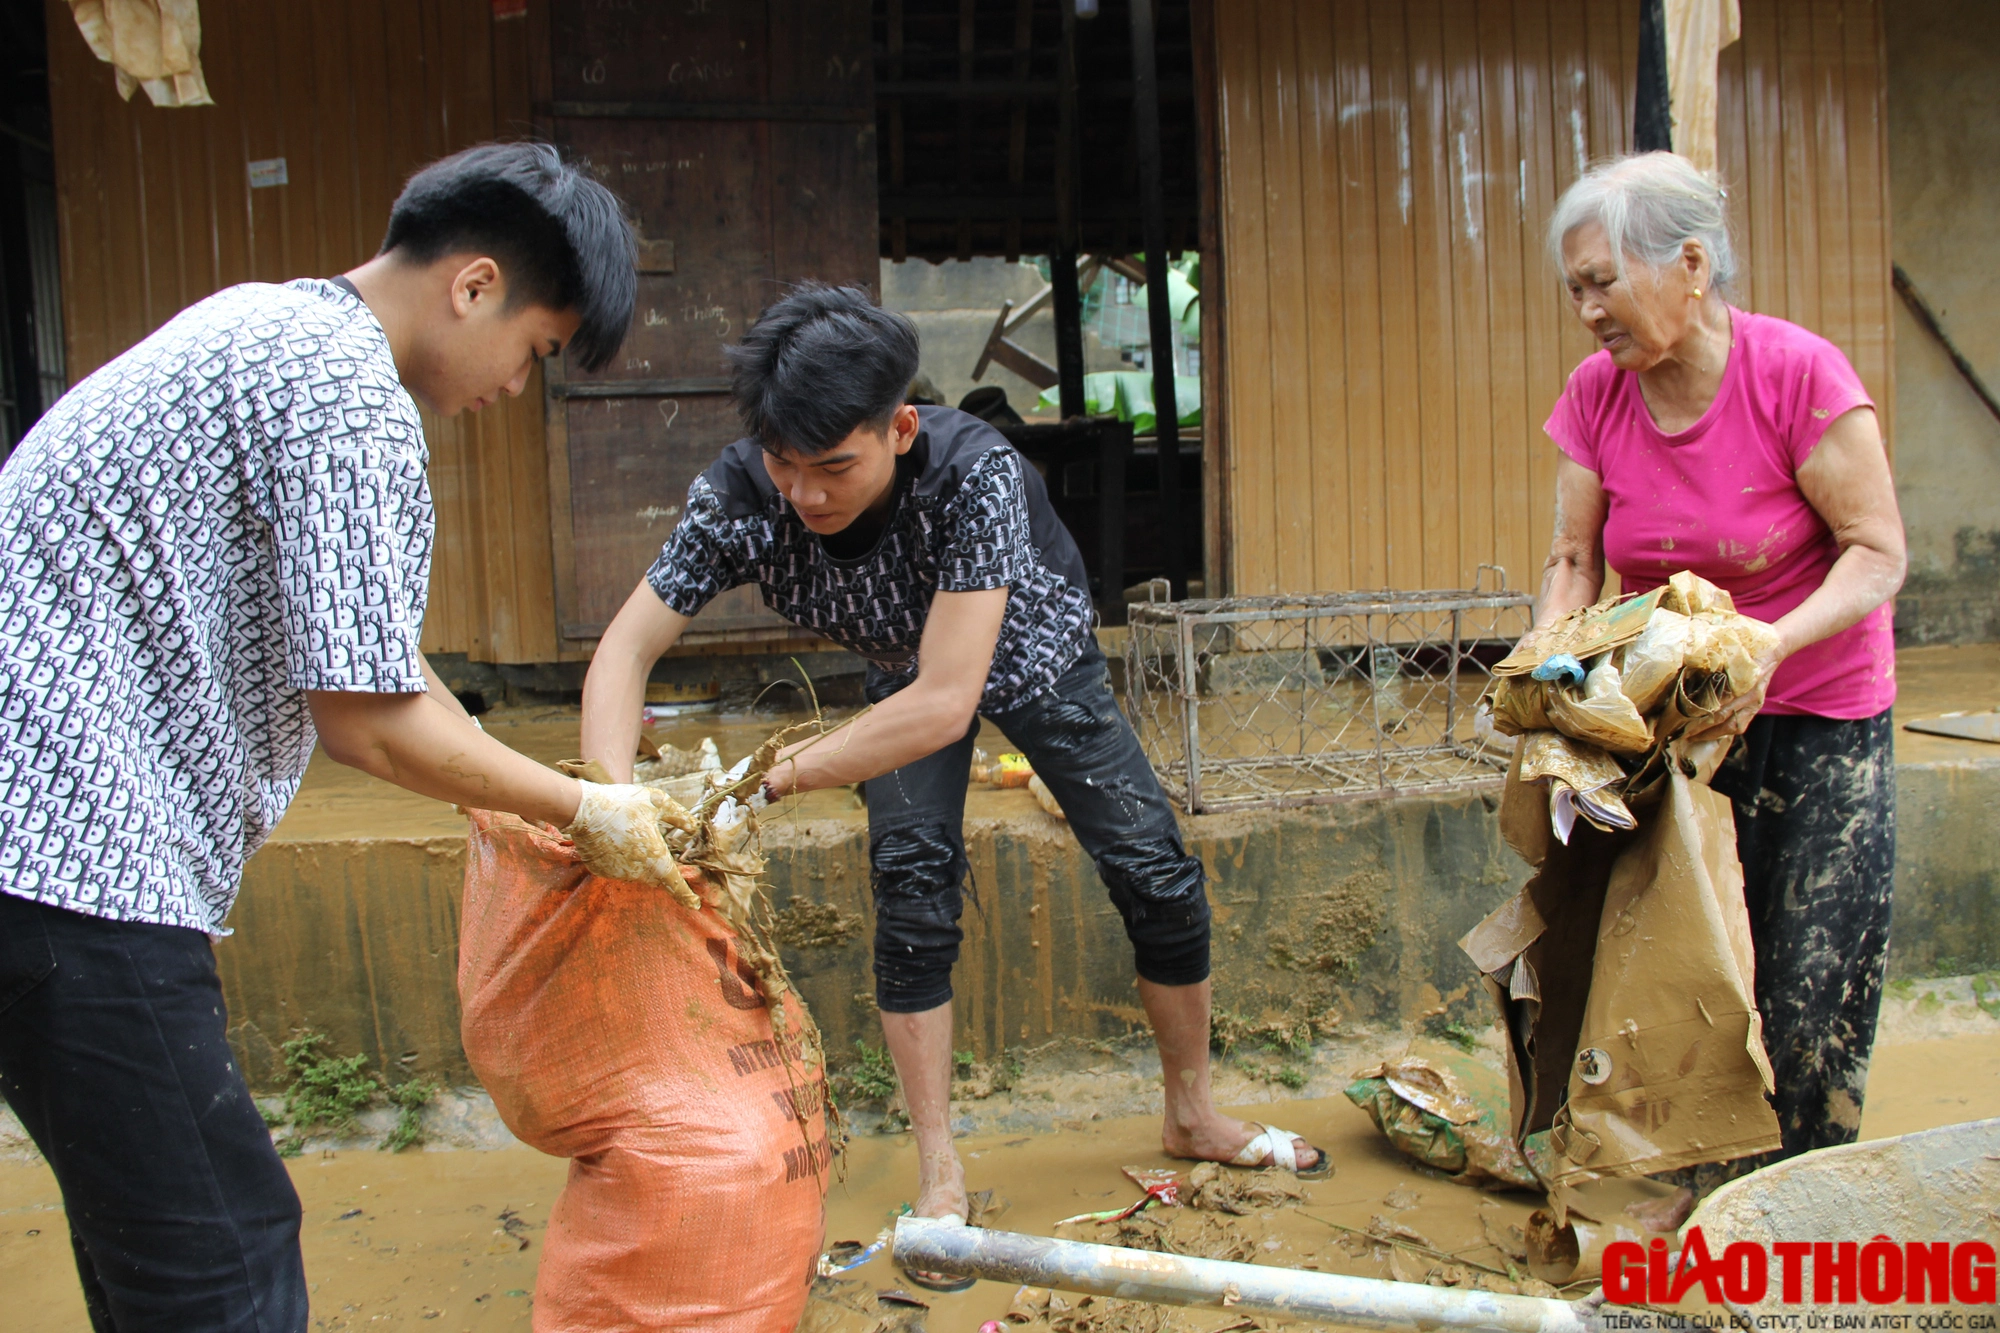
[266, 172]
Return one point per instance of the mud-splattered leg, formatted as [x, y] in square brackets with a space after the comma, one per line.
[920, 1044]
[917, 861]
[1815, 802]
[1085, 750]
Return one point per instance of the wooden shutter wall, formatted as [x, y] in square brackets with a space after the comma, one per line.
[1393, 336]
[157, 212]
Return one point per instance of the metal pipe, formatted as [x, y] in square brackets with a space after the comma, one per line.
[947, 1246]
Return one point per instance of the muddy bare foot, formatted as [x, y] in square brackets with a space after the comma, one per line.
[1663, 1215]
[940, 1193]
[941, 1185]
[1220, 1139]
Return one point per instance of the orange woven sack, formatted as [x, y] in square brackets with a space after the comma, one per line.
[616, 1028]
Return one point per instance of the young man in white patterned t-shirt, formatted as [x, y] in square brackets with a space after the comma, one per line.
[918, 538]
[212, 550]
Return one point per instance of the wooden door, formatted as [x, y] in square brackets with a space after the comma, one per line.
[741, 136]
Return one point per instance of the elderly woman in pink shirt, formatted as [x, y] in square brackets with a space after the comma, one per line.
[1744, 448]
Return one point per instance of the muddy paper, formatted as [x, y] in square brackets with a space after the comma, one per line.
[1520, 705]
[1600, 713]
[1670, 1064]
[1652, 662]
[1585, 633]
[1623, 971]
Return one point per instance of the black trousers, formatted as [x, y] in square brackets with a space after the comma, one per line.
[113, 1054]
[1085, 750]
[1815, 803]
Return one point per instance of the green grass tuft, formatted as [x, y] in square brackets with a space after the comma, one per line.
[871, 1078]
[1986, 992]
[327, 1091]
[1450, 1029]
[409, 1099]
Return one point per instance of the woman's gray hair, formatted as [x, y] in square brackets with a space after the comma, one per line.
[1649, 204]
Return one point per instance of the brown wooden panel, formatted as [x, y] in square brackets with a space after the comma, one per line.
[1534, 72]
[820, 56]
[1327, 525]
[705, 186]
[751, 203]
[1799, 245]
[1435, 293]
[1401, 465]
[1472, 327]
[1864, 91]
[1760, 175]
[823, 204]
[1285, 259]
[685, 51]
[1828, 100]
[1247, 296]
[631, 461]
[1361, 301]
[1514, 434]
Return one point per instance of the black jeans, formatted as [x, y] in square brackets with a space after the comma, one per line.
[1815, 802]
[1085, 750]
[113, 1054]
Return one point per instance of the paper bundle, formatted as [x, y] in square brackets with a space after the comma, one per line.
[1599, 693]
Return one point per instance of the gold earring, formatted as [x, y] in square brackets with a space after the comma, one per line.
[1697, 293]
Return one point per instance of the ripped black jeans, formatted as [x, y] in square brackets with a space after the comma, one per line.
[1085, 750]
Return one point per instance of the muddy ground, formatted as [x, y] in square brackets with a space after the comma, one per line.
[449, 1239]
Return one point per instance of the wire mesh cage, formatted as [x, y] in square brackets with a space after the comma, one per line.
[1265, 701]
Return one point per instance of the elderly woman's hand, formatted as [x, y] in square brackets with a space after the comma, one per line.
[1735, 716]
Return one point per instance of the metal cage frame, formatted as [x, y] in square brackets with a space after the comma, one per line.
[1369, 690]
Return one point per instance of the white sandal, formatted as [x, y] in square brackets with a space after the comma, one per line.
[1276, 1144]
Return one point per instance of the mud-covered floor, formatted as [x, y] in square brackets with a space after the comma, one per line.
[449, 1240]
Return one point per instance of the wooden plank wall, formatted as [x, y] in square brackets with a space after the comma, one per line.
[156, 213]
[1393, 337]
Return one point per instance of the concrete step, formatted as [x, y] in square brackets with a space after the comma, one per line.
[1336, 916]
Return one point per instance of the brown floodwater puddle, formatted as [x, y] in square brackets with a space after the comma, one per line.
[435, 1240]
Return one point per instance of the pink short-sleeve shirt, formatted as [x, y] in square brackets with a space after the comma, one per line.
[1722, 498]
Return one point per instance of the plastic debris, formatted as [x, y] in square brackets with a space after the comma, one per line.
[1160, 1186]
[1563, 669]
[1012, 770]
[1426, 1112]
[1044, 797]
[844, 1257]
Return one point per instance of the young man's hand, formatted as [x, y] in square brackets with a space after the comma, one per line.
[619, 835]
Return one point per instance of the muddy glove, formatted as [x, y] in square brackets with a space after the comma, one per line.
[618, 834]
[757, 799]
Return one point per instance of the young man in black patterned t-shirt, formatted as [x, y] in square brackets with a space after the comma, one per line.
[919, 539]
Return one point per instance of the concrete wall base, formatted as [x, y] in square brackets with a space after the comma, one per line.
[1337, 915]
